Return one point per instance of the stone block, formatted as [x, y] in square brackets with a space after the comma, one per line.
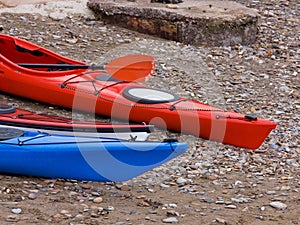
[194, 22]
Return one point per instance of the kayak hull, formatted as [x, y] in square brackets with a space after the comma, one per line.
[82, 158]
[83, 90]
[30, 121]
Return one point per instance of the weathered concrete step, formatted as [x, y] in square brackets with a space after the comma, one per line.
[194, 22]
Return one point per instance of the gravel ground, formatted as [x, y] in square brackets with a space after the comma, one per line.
[212, 183]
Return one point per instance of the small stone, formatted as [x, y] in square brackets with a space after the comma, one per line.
[59, 216]
[216, 208]
[194, 167]
[181, 181]
[219, 220]
[132, 212]
[110, 208]
[208, 200]
[225, 192]
[150, 190]
[16, 211]
[11, 218]
[164, 185]
[98, 200]
[172, 6]
[271, 192]
[100, 209]
[56, 37]
[173, 205]
[125, 188]
[79, 216]
[32, 196]
[143, 204]
[153, 212]
[285, 188]
[230, 207]
[86, 186]
[170, 220]
[64, 211]
[141, 197]
[259, 217]
[119, 186]
[94, 193]
[239, 200]
[220, 202]
[278, 205]
[216, 183]
[94, 215]
[72, 41]
[172, 213]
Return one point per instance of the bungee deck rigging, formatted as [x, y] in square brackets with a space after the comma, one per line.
[137, 103]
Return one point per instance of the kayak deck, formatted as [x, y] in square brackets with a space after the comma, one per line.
[15, 117]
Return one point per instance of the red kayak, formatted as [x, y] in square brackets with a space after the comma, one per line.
[31, 71]
[26, 120]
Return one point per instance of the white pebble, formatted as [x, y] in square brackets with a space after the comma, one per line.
[110, 208]
[230, 207]
[170, 220]
[172, 205]
[16, 211]
[181, 180]
[278, 205]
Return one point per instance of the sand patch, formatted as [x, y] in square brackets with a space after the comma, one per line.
[14, 3]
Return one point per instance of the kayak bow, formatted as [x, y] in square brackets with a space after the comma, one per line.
[81, 158]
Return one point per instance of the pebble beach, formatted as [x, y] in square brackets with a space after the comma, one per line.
[211, 183]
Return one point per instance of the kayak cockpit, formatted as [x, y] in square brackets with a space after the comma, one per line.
[23, 53]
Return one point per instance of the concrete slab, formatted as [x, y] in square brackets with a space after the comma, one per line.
[194, 22]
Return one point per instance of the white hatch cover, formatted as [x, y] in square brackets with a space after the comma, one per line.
[149, 95]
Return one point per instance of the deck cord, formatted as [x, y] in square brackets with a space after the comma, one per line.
[97, 93]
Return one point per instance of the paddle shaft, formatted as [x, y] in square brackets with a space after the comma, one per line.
[73, 66]
[63, 66]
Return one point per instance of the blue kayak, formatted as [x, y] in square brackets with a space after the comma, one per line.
[81, 158]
